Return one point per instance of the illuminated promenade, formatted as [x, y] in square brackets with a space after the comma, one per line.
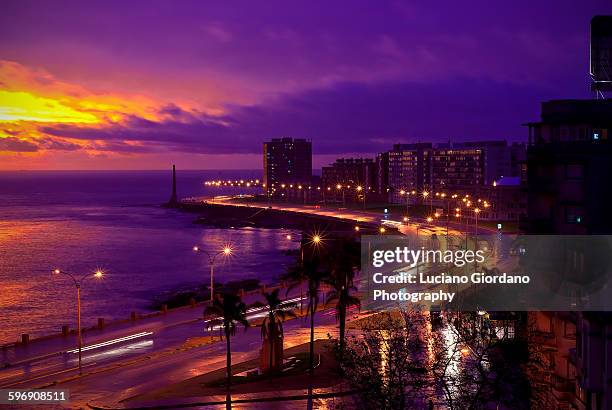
[415, 225]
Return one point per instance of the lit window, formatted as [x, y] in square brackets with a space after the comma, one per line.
[574, 214]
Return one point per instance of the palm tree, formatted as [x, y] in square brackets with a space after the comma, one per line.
[311, 272]
[342, 286]
[232, 311]
[341, 279]
[272, 325]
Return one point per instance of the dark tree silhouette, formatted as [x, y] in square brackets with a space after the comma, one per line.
[341, 282]
[311, 272]
[230, 311]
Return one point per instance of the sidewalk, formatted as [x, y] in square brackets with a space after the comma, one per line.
[51, 345]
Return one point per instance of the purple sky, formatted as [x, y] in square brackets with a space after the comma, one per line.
[205, 84]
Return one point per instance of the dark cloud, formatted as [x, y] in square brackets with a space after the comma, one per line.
[12, 144]
[58, 144]
[346, 117]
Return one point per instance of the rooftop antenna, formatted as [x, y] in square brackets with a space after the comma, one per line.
[600, 64]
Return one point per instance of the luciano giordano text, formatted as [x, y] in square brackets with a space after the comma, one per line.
[408, 284]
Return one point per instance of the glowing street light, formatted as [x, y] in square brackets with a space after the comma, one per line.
[226, 251]
[77, 280]
[382, 230]
[476, 212]
[316, 239]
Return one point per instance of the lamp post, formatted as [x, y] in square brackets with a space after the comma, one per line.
[226, 251]
[425, 195]
[444, 196]
[476, 212]
[77, 280]
[339, 187]
[407, 193]
[359, 189]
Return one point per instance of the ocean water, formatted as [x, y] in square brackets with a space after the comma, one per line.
[82, 221]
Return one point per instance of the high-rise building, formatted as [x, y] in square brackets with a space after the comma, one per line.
[441, 167]
[286, 161]
[462, 166]
[408, 169]
[355, 176]
[353, 171]
[568, 167]
[569, 163]
[456, 167]
[496, 158]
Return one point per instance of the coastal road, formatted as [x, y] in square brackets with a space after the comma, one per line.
[437, 226]
[56, 358]
[152, 373]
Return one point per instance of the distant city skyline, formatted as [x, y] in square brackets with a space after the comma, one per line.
[135, 86]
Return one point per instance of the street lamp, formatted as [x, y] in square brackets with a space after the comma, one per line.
[476, 212]
[77, 283]
[226, 251]
[359, 189]
[339, 187]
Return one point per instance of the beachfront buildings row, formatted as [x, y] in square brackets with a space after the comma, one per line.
[483, 169]
[463, 166]
[408, 173]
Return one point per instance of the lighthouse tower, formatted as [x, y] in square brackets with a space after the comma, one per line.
[173, 200]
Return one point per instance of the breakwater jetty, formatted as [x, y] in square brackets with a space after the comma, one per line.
[231, 214]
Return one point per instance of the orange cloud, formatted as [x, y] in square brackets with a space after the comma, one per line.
[32, 98]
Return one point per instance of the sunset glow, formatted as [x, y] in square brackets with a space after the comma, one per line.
[86, 93]
[23, 106]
